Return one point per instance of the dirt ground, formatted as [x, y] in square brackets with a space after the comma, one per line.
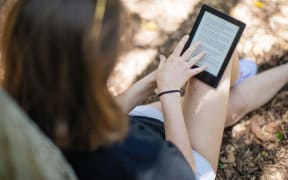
[257, 146]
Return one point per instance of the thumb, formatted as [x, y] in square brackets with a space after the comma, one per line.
[195, 71]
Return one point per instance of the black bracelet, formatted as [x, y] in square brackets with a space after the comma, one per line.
[168, 92]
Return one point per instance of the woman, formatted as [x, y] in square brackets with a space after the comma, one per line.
[58, 57]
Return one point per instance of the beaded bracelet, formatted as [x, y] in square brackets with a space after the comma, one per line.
[168, 92]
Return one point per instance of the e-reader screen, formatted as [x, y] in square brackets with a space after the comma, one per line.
[218, 34]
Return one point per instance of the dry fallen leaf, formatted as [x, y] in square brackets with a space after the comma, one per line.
[259, 4]
[259, 131]
[150, 25]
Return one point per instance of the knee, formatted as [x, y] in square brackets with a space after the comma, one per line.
[238, 106]
[242, 102]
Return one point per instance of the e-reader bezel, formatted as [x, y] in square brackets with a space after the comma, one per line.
[206, 76]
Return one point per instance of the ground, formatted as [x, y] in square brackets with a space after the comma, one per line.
[257, 146]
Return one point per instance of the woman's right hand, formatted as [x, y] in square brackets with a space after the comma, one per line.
[172, 73]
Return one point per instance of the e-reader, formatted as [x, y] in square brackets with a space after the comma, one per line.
[219, 34]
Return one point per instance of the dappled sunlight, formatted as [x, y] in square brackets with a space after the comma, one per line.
[149, 35]
[240, 130]
[278, 170]
[130, 65]
[267, 26]
[168, 14]
[157, 20]
[259, 133]
[253, 148]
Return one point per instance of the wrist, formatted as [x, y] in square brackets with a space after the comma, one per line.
[166, 86]
[151, 79]
[168, 92]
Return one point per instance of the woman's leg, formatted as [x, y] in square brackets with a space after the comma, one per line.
[235, 69]
[252, 93]
[255, 92]
[247, 96]
[205, 110]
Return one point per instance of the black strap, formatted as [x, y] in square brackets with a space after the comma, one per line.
[168, 92]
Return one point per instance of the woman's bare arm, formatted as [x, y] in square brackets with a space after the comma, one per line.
[172, 75]
[137, 93]
[175, 128]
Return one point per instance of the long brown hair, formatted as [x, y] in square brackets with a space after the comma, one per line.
[58, 74]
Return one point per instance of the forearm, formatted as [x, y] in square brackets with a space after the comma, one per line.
[175, 127]
[137, 93]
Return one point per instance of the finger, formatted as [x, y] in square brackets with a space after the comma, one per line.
[162, 60]
[177, 51]
[195, 71]
[188, 53]
[196, 58]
